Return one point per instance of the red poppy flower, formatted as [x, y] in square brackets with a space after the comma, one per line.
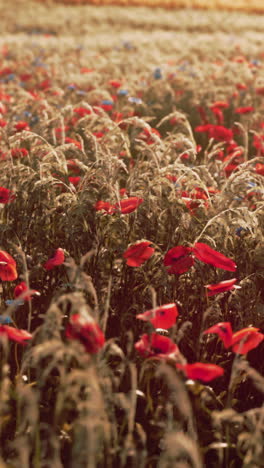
[8, 270]
[212, 190]
[75, 142]
[21, 288]
[4, 97]
[173, 121]
[220, 155]
[86, 70]
[203, 128]
[244, 110]
[235, 157]
[85, 330]
[239, 59]
[123, 192]
[3, 123]
[220, 133]
[117, 116]
[191, 199]
[14, 334]
[223, 286]
[203, 115]
[115, 83]
[220, 104]
[161, 317]
[260, 91]
[35, 95]
[200, 371]
[138, 253]
[98, 134]
[57, 259]
[218, 115]
[193, 206]
[156, 345]
[246, 339]
[74, 180]
[129, 204]
[104, 206]
[82, 111]
[107, 107]
[241, 341]
[73, 167]
[230, 168]
[258, 143]
[147, 135]
[45, 84]
[3, 108]
[208, 255]
[60, 130]
[199, 194]
[224, 331]
[6, 71]
[6, 196]
[179, 260]
[259, 168]
[19, 152]
[171, 178]
[25, 76]
[241, 86]
[21, 125]
[232, 145]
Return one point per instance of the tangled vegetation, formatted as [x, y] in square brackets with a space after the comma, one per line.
[131, 238]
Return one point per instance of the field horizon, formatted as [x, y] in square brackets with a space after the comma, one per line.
[254, 6]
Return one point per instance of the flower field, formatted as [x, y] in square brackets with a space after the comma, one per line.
[131, 237]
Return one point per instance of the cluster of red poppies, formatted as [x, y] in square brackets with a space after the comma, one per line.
[8, 272]
[125, 206]
[154, 345]
[180, 259]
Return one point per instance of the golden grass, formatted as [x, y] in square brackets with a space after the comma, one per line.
[254, 6]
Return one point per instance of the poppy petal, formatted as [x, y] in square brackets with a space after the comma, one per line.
[210, 256]
[8, 270]
[14, 334]
[56, 260]
[8, 273]
[162, 317]
[224, 331]
[156, 345]
[138, 253]
[6, 195]
[22, 288]
[221, 287]
[105, 206]
[178, 259]
[128, 205]
[246, 339]
[87, 331]
[200, 371]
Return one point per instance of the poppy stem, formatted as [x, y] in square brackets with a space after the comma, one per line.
[107, 305]
[16, 359]
[153, 297]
